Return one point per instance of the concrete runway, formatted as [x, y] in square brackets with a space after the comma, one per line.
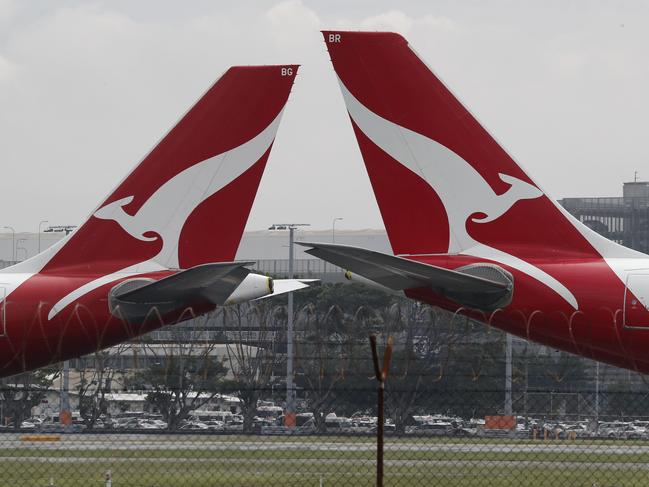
[134, 442]
[415, 465]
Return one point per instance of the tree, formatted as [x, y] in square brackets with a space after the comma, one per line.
[349, 297]
[252, 367]
[410, 367]
[321, 357]
[549, 381]
[184, 376]
[94, 384]
[625, 399]
[23, 392]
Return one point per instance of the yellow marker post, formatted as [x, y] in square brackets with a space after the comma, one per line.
[40, 438]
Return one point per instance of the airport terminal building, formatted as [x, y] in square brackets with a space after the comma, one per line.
[623, 219]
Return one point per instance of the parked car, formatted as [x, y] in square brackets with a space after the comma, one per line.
[465, 431]
[234, 426]
[127, 423]
[214, 425]
[193, 426]
[611, 429]
[150, 424]
[337, 424]
[434, 429]
[388, 429]
[632, 432]
[579, 430]
[31, 423]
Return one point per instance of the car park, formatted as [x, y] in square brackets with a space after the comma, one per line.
[359, 424]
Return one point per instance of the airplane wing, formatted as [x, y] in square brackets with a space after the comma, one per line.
[215, 282]
[206, 283]
[399, 274]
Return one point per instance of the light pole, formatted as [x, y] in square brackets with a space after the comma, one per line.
[596, 396]
[508, 376]
[13, 243]
[3, 382]
[64, 391]
[289, 415]
[333, 229]
[18, 247]
[39, 234]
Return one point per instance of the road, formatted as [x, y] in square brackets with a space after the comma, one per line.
[133, 442]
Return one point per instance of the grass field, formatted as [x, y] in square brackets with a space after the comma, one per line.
[264, 462]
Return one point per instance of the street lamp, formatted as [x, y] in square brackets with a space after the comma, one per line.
[13, 243]
[597, 397]
[39, 234]
[18, 247]
[333, 229]
[508, 375]
[289, 415]
[64, 392]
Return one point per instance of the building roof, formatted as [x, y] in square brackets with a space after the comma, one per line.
[255, 245]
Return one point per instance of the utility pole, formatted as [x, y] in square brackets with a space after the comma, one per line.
[290, 388]
[381, 376]
[333, 229]
[13, 243]
[508, 376]
[3, 384]
[39, 234]
[18, 247]
[65, 415]
[596, 396]
[289, 414]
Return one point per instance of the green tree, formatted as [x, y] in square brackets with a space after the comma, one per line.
[185, 375]
[322, 358]
[252, 366]
[94, 383]
[624, 399]
[420, 357]
[22, 392]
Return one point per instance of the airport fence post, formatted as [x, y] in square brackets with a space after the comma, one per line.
[381, 376]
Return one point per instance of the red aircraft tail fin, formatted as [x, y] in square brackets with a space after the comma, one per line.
[443, 184]
[186, 203]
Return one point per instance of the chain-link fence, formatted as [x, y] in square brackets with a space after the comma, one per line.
[205, 403]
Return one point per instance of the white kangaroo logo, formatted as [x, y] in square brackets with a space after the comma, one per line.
[167, 209]
[462, 189]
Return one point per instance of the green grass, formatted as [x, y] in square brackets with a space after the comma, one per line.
[219, 474]
[279, 454]
[34, 465]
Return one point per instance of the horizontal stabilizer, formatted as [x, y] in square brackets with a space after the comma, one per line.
[206, 283]
[401, 274]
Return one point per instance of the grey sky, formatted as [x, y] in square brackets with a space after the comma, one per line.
[87, 88]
